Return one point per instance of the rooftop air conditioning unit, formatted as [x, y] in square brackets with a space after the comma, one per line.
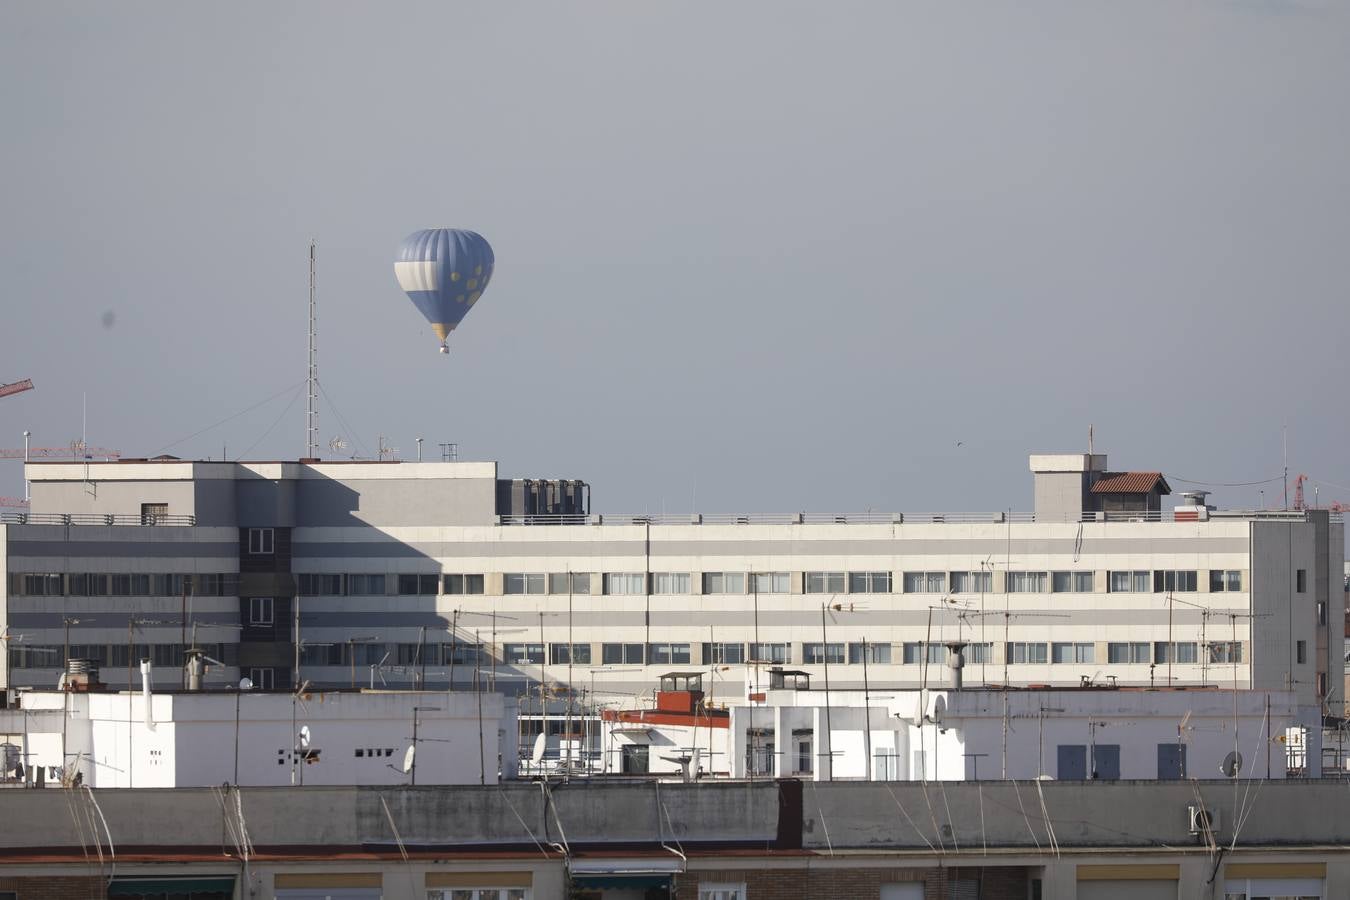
[1203, 820]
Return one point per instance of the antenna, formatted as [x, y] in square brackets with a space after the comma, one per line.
[1232, 764]
[311, 400]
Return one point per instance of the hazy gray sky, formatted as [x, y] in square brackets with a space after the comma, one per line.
[779, 255]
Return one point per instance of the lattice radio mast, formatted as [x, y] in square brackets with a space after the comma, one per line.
[312, 400]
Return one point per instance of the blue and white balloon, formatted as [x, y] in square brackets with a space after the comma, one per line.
[444, 271]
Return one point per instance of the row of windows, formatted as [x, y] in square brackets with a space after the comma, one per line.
[842, 653]
[623, 583]
[363, 584]
[469, 654]
[52, 656]
[119, 584]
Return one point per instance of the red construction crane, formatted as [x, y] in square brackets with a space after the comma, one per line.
[1298, 491]
[15, 502]
[17, 387]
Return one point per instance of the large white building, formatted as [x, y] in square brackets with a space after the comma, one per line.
[158, 739]
[427, 573]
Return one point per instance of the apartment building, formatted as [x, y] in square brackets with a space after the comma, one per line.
[437, 573]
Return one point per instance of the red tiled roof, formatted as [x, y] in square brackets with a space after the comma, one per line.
[1130, 483]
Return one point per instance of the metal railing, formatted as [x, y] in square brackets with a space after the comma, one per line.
[890, 518]
[22, 518]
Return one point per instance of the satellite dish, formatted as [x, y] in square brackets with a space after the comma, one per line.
[304, 736]
[1232, 764]
[537, 751]
[409, 758]
[245, 684]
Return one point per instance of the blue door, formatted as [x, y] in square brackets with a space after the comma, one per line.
[1106, 762]
[1171, 762]
[1072, 762]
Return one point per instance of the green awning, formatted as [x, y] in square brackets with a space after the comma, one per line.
[140, 887]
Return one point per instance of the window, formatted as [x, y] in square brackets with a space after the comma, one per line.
[1225, 652]
[925, 582]
[260, 611]
[873, 653]
[723, 891]
[1128, 582]
[1225, 580]
[373, 585]
[569, 583]
[319, 585]
[824, 582]
[625, 582]
[1071, 653]
[1071, 582]
[1173, 580]
[972, 582]
[723, 583]
[1273, 889]
[980, 653]
[263, 677]
[670, 582]
[524, 583]
[479, 893]
[261, 540]
[771, 653]
[668, 654]
[1301, 580]
[731, 654]
[456, 653]
[461, 584]
[869, 582]
[912, 653]
[576, 654]
[1127, 653]
[523, 654]
[1027, 582]
[1301, 652]
[1177, 652]
[804, 760]
[1022, 652]
[418, 584]
[622, 654]
[42, 585]
[1321, 612]
[154, 512]
[771, 582]
[817, 654]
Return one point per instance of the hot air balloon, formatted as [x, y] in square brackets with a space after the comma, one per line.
[444, 271]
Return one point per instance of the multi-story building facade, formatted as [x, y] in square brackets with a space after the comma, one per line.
[432, 573]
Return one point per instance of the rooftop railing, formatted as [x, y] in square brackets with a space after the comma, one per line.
[23, 518]
[908, 518]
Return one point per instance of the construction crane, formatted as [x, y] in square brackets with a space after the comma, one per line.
[16, 387]
[76, 450]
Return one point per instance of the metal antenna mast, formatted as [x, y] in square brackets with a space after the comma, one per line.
[312, 401]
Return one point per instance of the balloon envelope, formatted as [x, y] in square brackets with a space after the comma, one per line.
[444, 271]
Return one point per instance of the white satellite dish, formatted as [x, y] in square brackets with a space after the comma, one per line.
[409, 758]
[245, 684]
[1232, 764]
[304, 736]
[540, 746]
